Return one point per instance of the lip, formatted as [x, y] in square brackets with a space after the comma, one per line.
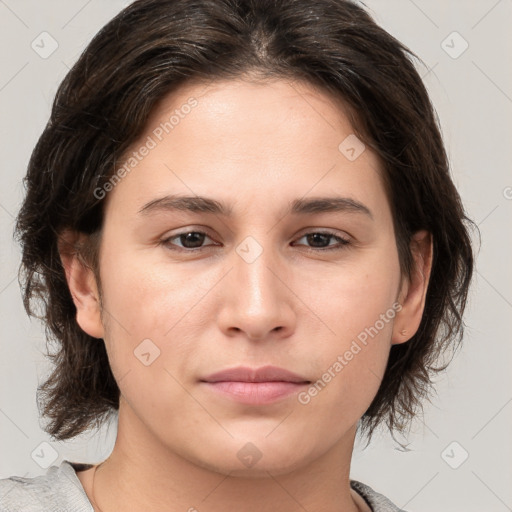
[255, 386]
[262, 374]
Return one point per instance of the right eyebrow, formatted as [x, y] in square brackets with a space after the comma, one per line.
[194, 204]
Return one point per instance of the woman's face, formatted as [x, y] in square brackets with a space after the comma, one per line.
[299, 272]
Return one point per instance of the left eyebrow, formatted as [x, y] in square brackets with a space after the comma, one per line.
[198, 204]
[329, 204]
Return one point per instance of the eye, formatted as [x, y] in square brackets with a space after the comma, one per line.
[322, 238]
[193, 240]
[189, 240]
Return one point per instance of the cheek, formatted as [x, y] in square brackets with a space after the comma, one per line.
[357, 308]
[146, 310]
[148, 337]
[149, 298]
[349, 371]
[352, 297]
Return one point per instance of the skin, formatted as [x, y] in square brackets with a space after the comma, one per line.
[257, 147]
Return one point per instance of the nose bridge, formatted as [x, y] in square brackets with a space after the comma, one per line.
[255, 301]
[255, 264]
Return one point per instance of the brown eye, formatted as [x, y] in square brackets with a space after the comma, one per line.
[188, 240]
[320, 240]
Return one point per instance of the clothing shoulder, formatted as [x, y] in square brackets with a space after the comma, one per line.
[58, 490]
[378, 502]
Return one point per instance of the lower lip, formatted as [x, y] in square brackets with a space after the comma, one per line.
[256, 393]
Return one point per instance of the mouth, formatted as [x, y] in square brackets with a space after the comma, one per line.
[259, 386]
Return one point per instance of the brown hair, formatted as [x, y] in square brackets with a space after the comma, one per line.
[149, 50]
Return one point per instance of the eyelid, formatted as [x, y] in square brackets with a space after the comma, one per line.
[325, 231]
[204, 231]
[342, 243]
[343, 239]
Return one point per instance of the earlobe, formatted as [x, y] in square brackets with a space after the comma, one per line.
[81, 283]
[414, 290]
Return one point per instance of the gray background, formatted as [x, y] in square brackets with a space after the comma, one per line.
[473, 96]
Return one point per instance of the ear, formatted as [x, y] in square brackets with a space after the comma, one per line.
[414, 290]
[81, 282]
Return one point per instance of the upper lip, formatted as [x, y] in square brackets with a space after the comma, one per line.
[263, 374]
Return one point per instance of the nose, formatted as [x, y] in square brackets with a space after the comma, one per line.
[257, 299]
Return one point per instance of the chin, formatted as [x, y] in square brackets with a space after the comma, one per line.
[255, 460]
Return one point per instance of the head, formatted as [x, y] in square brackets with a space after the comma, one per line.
[263, 107]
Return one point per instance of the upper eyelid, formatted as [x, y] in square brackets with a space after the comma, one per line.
[305, 231]
[325, 231]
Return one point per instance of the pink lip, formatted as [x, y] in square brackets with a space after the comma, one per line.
[255, 386]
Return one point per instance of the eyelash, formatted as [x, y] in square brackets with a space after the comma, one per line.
[343, 242]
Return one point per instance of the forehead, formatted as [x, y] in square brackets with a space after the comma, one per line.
[276, 139]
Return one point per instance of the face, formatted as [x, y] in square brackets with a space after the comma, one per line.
[300, 272]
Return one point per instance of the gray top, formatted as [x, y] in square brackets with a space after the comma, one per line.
[60, 490]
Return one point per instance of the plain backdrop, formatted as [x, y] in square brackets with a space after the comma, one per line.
[458, 454]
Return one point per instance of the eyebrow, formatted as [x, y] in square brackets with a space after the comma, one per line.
[198, 204]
